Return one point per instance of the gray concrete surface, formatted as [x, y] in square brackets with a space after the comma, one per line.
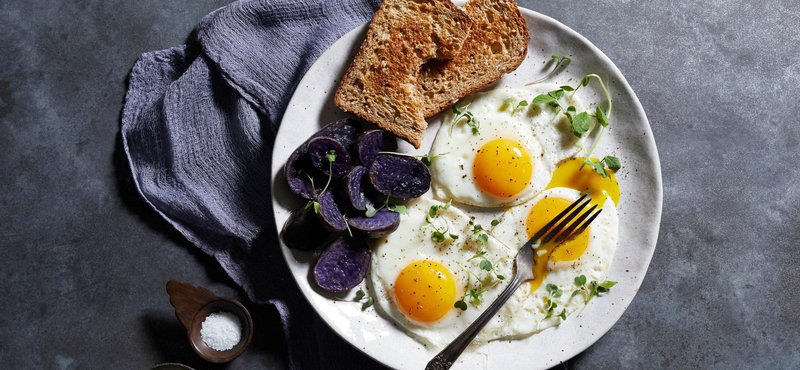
[84, 262]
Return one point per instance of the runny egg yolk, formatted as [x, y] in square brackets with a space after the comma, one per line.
[502, 167]
[425, 291]
[542, 213]
[569, 175]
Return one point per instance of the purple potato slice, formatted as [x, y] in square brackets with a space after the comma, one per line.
[303, 230]
[372, 142]
[383, 223]
[329, 214]
[342, 264]
[345, 131]
[353, 188]
[298, 171]
[318, 149]
[299, 167]
[400, 177]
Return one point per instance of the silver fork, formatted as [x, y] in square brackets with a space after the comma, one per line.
[523, 273]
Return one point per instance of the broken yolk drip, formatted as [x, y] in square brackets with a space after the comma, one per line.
[568, 175]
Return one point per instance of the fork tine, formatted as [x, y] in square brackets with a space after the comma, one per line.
[566, 234]
[564, 222]
[553, 222]
[586, 224]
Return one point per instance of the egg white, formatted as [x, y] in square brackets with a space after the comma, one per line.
[540, 128]
[412, 242]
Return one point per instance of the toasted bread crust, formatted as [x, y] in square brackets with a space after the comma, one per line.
[381, 85]
[497, 44]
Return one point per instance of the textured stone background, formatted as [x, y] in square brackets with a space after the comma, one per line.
[84, 262]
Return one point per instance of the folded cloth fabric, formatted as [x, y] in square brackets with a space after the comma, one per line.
[198, 127]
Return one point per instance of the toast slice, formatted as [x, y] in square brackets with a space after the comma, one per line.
[381, 85]
[497, 44]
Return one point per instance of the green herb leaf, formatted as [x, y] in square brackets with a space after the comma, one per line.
[586, 80]
[476, 297]
[556, 94]
[479, 255]
[453, 236]
[509, 101]
[369, 302]
[437, 236]
[398, 209]
[501, 277]
[331, 156]
[563, 314]
[371, 211]
[456, 111]
[486, 265]
[483, 238]
[601, 117]
[576, 292]
[461, 305]
[495, 222]
[580, 280]
[433, 211]
[541, 99]
[581, 124]
[597, 167]
[612, 162]
[477, 228]
[360, 294]
[605, 286]
[317, 207]
[523, 103]
[567, 88]
[570, 113]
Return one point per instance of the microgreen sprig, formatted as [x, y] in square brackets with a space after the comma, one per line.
[609, 161]
[439, 233]
[510, 101]
[592, 290]
[559, 61]
[581, 122]
[331, 157]
[360, 296]
[461, 113]
[487, 265]
[602, 119]
[398, 208]
[475, 295]
[552, 292]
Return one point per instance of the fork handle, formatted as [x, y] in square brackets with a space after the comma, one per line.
[448, 356]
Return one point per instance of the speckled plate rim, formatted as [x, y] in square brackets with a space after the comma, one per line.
[629, 137]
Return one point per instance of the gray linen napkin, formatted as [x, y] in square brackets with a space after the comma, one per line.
[198, 126]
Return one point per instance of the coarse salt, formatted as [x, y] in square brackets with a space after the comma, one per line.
[221, 330]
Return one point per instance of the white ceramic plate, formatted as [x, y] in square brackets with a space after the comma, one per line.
[629, 138]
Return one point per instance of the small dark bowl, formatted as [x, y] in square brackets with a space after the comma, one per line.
[171, 366]
[210, 354]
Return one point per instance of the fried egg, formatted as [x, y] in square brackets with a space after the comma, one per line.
[589, 254]
[416, 281]
[502, 157]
